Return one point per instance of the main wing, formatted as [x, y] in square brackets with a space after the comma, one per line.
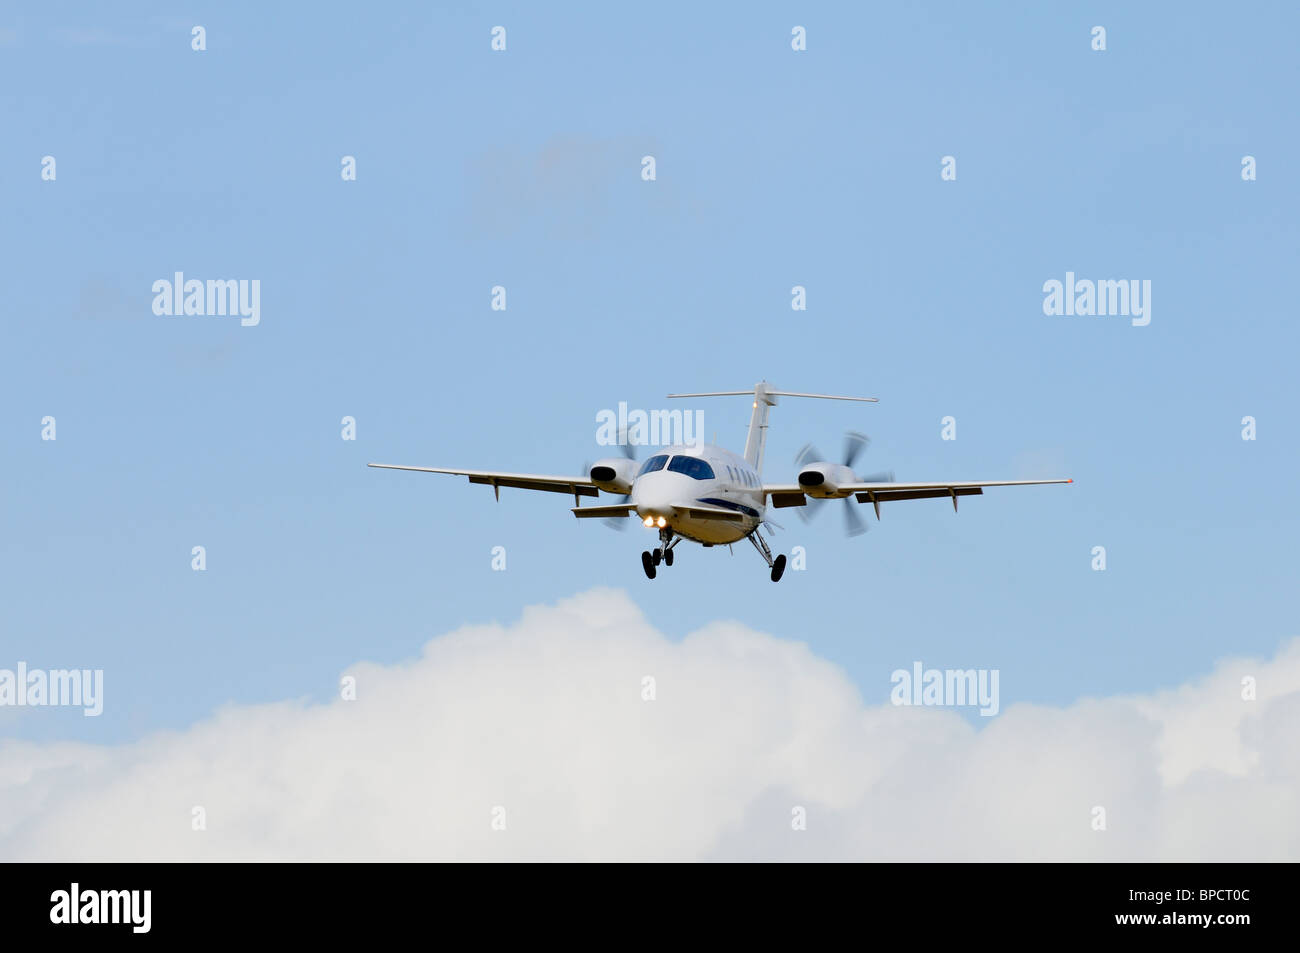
[792, 494]
[693, 510]
[576, 486]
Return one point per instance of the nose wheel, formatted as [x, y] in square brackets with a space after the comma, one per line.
[663, 554]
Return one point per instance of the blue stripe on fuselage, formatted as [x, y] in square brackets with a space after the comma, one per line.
[729, 505]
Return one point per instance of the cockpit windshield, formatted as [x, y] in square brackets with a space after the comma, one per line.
[654, 463]
[693, 467]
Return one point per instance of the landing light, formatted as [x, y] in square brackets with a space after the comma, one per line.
[649, 521]
[662, 522]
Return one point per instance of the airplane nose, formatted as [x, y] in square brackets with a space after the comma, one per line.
[653, 497]
[653, 509]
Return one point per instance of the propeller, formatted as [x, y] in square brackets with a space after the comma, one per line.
[854, 444]
[629, 451]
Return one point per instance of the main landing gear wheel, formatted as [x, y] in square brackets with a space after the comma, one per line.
[648, 564]
[668, 557]
[777, 565]
[656, 556]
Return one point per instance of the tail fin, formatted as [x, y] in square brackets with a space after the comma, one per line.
[764, 400]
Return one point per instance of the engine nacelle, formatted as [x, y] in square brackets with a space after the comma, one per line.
[613, 474]
[823, 480]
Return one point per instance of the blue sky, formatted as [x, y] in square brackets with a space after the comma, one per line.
[522, 169]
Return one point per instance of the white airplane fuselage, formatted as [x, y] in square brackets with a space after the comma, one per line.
[668, 481]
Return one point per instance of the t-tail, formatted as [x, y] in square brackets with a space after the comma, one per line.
[764, 400]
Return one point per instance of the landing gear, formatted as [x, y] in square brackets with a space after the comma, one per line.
[777, 565]
[663, 554]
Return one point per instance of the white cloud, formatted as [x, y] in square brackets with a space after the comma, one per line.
[545, 719]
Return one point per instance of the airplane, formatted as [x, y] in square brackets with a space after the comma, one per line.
[708, 495]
